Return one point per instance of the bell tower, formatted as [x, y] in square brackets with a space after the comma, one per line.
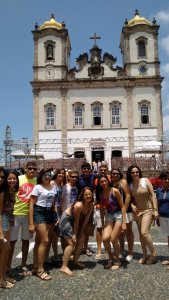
[139, 47]
[51, 50]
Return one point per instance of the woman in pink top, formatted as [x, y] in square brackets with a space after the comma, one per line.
[113, 218]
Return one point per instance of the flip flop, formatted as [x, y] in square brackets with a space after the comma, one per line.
[165, 262]
[67, 273]
[6, 285]
[25, 272]
[98, 256]
[44, 276]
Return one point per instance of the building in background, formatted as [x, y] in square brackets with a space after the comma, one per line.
[98, 110]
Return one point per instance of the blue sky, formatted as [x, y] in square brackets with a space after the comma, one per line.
[82, 19]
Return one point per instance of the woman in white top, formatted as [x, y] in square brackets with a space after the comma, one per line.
[41, 213]
[144, 207]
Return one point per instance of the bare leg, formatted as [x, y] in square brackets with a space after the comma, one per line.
[78, 249]
[25, 250]
[10, 256]
[130, 238]
[99, 240]
[106, 239]
[42, 238]
[114, 238]
[67, 253]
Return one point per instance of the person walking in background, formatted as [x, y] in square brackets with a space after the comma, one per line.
[162, 195]
[144, 207]
[21, 211]
[8, 189]
[118, 182]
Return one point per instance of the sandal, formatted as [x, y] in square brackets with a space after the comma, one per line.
[98, 256]
[6, 284]
[142, 260]
[165, 262]
[66, 272]
[25, 272]
[79, 265]
[109, 264]
[43, 275]
[151, 260]
[116, 266]
[9, 277]
[89, 252]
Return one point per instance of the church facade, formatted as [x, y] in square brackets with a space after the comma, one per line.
[98, 110]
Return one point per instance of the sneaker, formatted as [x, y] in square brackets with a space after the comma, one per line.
[129, 258]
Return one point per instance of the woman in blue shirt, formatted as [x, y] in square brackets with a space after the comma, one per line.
[162, 195]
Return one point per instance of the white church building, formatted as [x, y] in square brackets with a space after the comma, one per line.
[97, 110]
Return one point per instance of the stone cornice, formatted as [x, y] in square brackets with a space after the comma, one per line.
[86, 83]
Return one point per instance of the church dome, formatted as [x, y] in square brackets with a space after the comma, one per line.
[52, 23]
[138, 20]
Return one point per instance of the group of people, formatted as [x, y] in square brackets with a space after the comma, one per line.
[56, 205]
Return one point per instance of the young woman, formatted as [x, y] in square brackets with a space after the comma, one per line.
[57, 182]
[162, 195]
[72, 226]
[7, 199]
[144, 207]
[113, 218]
[41, 220]
[121, 184]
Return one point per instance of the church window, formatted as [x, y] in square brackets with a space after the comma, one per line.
[49, 51]
[97, 115]
[141, 49]
[50, 115]
[144, 114]
[78, 115]
[115, 115]
[142, 46]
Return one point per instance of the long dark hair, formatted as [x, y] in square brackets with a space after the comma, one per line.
[81, 195]
[128, 173]
[40, 175]
[3, 185]
[99, 188]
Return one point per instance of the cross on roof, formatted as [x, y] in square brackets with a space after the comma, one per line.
[95, 37]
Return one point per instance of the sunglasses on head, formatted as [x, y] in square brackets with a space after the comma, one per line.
[32, 168]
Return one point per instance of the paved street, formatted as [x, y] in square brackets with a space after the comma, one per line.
[131, 281]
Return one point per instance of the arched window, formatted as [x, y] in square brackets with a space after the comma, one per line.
[97, 115]
[115, 114]
[141, 49]
[144, 114]
[49, 51]
[50, 111]
[78, 120]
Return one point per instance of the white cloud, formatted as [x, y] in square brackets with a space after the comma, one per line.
[163, 16]
[165, 44]
[166, 124]
[165, 69]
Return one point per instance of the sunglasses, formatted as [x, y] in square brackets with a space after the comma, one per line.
[31, 168]
[86, 169]
[2, 177]
[74, 177]
[46, 176]
[116, 174]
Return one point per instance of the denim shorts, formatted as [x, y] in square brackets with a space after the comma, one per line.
[43, 215]
[5, 222]
[113, 217]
